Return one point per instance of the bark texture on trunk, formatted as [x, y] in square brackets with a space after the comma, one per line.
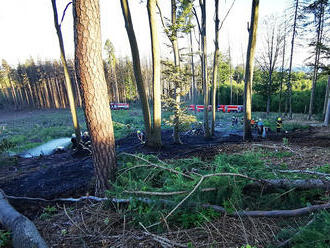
[215, 66]
[24, 232]
[202, 4]
[68, 82]
[289, 101]
[137, 68]
[247, 135]
[327, 113]
[156, 139]
[90, 74]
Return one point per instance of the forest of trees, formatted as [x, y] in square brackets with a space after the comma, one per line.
[41, 85]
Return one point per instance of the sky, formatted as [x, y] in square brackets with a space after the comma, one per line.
[27, 28]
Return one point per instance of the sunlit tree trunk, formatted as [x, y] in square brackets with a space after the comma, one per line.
[90, 73]
[319, 31]
[174, 40]
[202, 4]
[289, 100]
[249, 70]
[137, 69]
[215, 65]
[326, 98]
[327, 112]
[193, 83]
[67, 76]
[155, 140]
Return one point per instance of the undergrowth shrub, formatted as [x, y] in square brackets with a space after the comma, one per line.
[139, 178]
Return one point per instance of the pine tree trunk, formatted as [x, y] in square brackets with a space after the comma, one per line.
[202, 4]
[327, 112]
[215, 65]
[176, 134]
[249, 70]
[68, 82]
[156, 140]
[137, 69]
[289, 101]
[326, 97]
[90, 73]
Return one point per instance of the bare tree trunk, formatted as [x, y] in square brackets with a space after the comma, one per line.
[326, 97]
[175, 48]
[67, 76]
[316, 67]
[249, 70]
[24, 232]
[289, 101]
[282, 71]
[156, 139]
[193, 83]
[202, 4]
[137, 68]
[90, 73]
[327, 113]
[215, 65]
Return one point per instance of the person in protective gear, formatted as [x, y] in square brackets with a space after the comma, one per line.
[260, 127]
[278, 124]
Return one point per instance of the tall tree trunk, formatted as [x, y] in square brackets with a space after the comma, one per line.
[174, 40]
[113, 71]
[137, 69]
[156, 139]
[282, 71]
[202, 4]
[326, 97]
[193, 83]
[316, 64]
[249, 70]
[90, 73]
[230, 77]
[327, 113]
[67, 75]
[215, 65]
[289, 101]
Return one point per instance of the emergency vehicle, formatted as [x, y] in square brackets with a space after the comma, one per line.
[118, 106]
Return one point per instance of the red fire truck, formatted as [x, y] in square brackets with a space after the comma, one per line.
[234, 108]
[118, 106]
[200, 108]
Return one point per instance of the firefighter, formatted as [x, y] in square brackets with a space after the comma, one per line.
[140, 136]
[233, 121]
[278, 124]
[253, 123]
[260, 127]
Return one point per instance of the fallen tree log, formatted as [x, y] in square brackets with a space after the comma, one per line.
[300, 184]
[24, 232]
[271, 213]
[256, 213]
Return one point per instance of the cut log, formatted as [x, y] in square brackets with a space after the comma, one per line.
[299, 184]
[24, 232]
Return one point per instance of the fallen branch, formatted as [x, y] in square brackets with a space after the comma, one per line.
[271, 213]
[165, 193]
[300, 184]
[24, 232]
[159, 166]
[321, 174]
[257, 213]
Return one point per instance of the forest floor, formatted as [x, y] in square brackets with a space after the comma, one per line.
[86, 224]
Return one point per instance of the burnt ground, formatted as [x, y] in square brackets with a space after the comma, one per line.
[62, 174]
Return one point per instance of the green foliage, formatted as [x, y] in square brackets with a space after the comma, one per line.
[4, 239]
[48, 212]
[5, 145]
[315, 234]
